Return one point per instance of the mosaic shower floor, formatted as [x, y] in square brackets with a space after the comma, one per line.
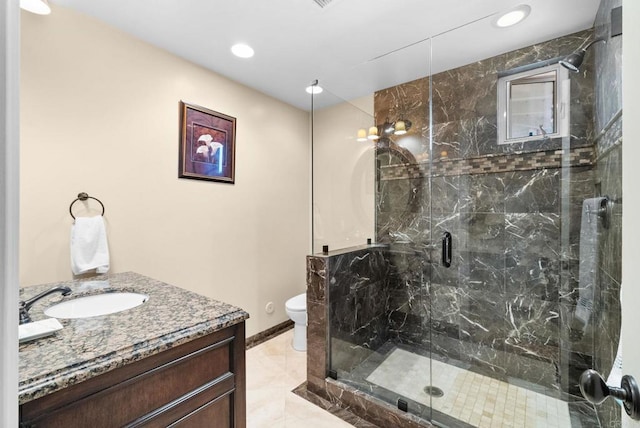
[469, 397]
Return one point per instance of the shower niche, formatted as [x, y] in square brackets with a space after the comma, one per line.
[491, 336]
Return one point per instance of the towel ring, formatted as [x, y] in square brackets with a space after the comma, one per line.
[83, 196]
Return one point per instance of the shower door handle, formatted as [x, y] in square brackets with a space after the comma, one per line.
[446, 249]
[595, 390]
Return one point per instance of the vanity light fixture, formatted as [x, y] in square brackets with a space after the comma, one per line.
[242, 50]
[373, 133]
[401, 126]
[39, 7]
[512, 17]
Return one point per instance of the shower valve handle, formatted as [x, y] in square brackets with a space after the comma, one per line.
[595, 390]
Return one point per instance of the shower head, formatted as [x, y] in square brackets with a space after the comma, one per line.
[574, 61]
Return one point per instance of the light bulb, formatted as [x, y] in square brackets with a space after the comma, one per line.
[401, 128]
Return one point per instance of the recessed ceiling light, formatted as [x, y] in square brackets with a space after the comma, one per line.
[314, 89]
[513, 17]
[242, 51]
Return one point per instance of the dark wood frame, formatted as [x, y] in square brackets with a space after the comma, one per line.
[200, 125]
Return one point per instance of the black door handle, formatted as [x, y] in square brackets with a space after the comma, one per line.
[446, 249]
[595, 390]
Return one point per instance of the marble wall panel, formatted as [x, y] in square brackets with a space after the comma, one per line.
[478, 271]
[401, 214]
[532, 255]
[483, 193]
[609, 175]
[610, 135]
[608, 66]
[532, 191]
[318, 320]
[533, 327]
[357, 297]
[607, 327]
[536, 374]
[487, 360]
[348, 305]
[482, 232]
[608, 124]
[514, 212]
[482, 319]
[465, 100]
[444, 309]
[444, 194]
[465, 104]
[575, 336]
[444, 347]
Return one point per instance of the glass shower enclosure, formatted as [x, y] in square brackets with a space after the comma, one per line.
[472, 277]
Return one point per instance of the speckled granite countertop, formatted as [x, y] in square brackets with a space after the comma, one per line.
[87, 347]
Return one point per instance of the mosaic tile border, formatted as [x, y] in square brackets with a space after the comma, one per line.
[578, 156]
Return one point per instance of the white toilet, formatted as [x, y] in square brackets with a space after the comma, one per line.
[296, 308]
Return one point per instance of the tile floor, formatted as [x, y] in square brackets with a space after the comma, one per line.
[470, 397]
[274, 369]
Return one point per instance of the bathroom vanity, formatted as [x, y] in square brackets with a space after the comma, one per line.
[176, 360]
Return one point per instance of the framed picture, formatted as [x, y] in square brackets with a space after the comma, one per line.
[207, 144]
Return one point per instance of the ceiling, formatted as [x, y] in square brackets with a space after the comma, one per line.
[353, 47]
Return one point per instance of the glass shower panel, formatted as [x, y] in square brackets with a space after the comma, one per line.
[378, 294]
[343, 171]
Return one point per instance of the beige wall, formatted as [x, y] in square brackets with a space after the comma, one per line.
[99, 114]
[344, 176]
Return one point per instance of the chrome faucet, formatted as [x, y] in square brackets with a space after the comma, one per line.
[26, 305]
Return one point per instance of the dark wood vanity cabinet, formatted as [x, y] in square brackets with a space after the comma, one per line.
[200, 383]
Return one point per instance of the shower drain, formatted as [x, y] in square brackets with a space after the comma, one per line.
[433, 391]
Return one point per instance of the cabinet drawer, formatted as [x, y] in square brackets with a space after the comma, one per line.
[216, 414]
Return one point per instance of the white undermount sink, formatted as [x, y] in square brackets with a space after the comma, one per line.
[93, 306]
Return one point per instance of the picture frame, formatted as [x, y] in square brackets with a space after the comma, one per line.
[207, 144]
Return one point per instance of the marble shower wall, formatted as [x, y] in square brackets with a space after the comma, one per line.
[348, 295]
[608, 120]
[505, 305]
[357, 307]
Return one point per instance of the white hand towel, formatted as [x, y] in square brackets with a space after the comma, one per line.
[89, 248]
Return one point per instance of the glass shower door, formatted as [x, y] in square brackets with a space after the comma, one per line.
[504, 329]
